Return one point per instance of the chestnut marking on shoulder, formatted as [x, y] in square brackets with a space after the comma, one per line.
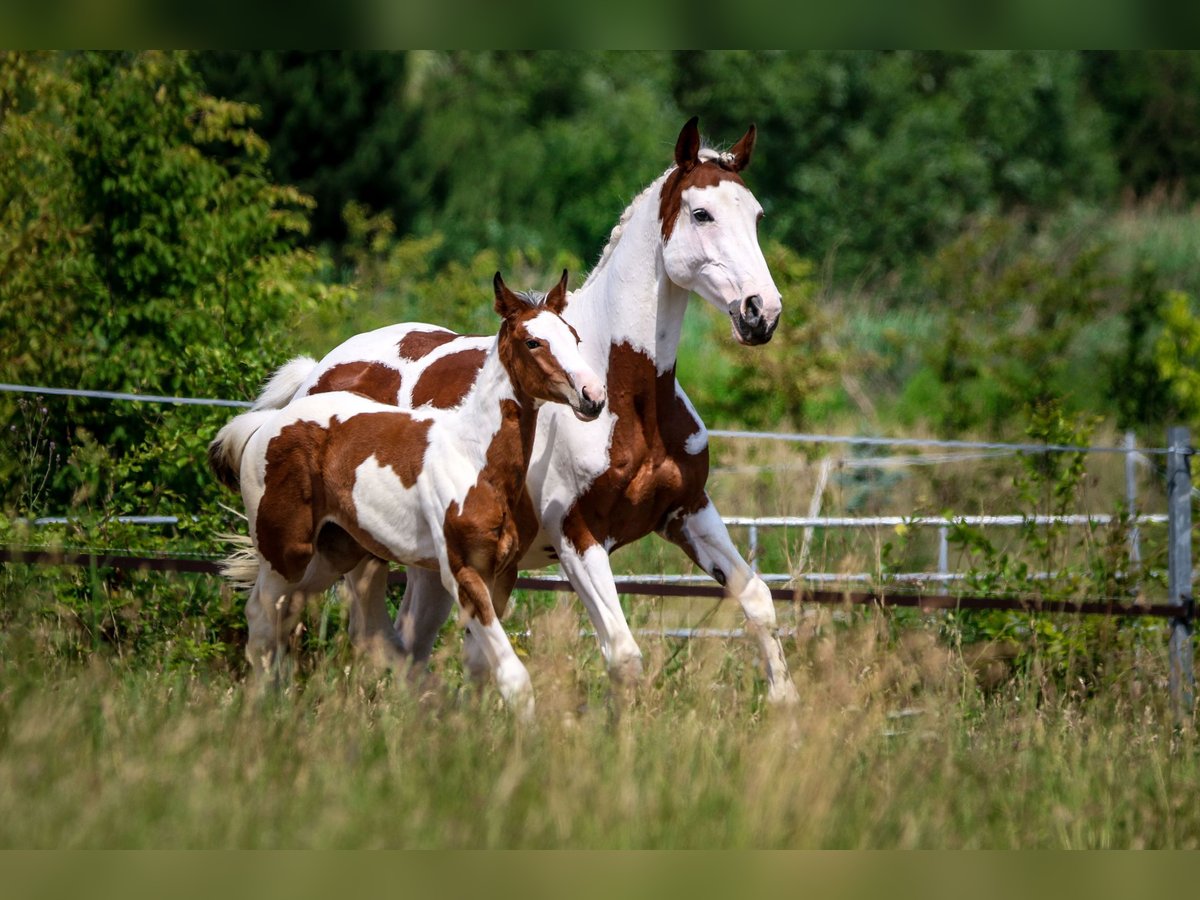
[417, 344]
[447, 381]
[310, 474]
[496, 522]
[370, 379]
[652, 470]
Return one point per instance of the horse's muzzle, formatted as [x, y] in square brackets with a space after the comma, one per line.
[750, 326]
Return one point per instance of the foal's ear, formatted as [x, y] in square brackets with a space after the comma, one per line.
[742, 149]
[508, 304]
[556, 300]
[687, 147]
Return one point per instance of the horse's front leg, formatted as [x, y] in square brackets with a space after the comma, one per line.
[590, 573]
[703, 536]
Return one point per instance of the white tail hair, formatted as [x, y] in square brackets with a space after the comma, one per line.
[240, 567]
[225, 450]
[282, 386]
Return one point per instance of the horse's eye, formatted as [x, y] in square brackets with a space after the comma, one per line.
[702, 215]
[532, 344]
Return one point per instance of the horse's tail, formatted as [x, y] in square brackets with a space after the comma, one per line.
[240, 567]
[282, 386]
[225, 451]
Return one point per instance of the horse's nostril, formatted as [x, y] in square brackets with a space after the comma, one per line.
[752, 309]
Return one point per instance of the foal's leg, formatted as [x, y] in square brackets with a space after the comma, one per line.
[272, 612]
[425, 608]
[703, 536]
[474, 657]
[371, 629]
[512, 678]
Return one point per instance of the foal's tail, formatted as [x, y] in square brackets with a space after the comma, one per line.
[240, 567]
[282, 386]
[225, 451]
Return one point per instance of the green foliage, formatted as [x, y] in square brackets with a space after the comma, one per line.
[1011, 308]
[401, 280]
[773, 386]
[337, 121]
[1151, 101]
[144, 250]
[1049, 562]
[1140, 385]
[879, 156]
[1177, 352]
[873, 157]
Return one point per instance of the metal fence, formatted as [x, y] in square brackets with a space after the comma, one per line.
[1179, 608]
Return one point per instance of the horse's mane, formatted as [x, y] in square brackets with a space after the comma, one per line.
[614, 236]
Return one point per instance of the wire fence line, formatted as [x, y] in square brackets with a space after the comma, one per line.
[787, 437]
[118, 395]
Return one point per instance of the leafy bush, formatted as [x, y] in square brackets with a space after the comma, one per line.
[144, 250]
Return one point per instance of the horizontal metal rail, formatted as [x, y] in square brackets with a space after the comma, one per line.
[873, 598]
[797, 438]
[782, 521]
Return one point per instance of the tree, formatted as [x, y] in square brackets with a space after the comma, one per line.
[144, 250]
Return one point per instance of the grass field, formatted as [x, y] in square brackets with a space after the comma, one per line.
[896, 743]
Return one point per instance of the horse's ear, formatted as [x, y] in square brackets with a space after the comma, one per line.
[742, 149]
[556, 300]
[687, 147]
[507, 304]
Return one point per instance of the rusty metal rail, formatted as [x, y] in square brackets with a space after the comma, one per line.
[876, 598]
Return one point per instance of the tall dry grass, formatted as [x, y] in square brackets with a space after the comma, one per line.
[894, 744]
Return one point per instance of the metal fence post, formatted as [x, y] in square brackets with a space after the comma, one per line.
[1135, 535]
[1179, 507]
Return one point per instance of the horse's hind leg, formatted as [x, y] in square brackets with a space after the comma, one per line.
[272, 612]
[371, 630]
[703, 536]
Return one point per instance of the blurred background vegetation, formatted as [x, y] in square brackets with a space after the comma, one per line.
[963, 239]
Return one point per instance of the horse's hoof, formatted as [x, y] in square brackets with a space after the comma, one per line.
[628, 672]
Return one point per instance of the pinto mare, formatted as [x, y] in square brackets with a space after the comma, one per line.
[334, 479]
[643, 470]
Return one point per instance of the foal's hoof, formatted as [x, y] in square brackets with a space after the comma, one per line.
[783, 693]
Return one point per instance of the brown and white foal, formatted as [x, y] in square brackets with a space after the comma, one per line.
[333, 478]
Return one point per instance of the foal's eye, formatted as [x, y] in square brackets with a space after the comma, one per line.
[533, 345]
[702, 215]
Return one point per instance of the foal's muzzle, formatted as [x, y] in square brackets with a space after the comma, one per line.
[750, 325]
[590, 407]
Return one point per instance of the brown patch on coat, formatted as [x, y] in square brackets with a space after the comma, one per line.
[650, 474]
[496, 523]
[706, 174]
[417, 344]
[447, 381]
[310, 473]
[370, 379]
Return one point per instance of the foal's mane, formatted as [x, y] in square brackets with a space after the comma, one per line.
[614, 237]
[533, 298]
